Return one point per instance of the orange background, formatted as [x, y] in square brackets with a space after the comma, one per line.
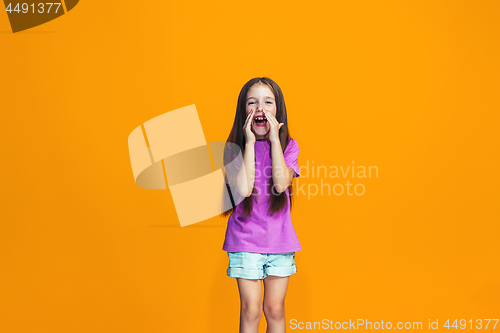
[408, 86]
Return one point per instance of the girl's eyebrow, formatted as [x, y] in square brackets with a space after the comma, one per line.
[256, 97]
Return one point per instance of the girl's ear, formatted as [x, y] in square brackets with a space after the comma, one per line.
[281, 124]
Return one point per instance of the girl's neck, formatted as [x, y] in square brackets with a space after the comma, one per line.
[264, 138]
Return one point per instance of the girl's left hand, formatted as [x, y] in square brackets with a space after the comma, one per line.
[274, 127]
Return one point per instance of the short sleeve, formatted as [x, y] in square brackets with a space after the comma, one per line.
[291, 155]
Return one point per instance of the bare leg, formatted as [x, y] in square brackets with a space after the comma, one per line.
[251, 304]
[274, 303]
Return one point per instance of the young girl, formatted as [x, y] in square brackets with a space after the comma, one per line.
[260, 239]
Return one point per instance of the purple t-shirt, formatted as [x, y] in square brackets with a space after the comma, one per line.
[260, 231]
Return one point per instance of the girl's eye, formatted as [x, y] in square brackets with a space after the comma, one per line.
[251, 103]
[269, 102]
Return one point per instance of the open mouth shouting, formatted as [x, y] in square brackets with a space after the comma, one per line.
[260, 120]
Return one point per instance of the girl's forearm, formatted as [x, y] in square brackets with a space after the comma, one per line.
[246, 175]
[281, 174]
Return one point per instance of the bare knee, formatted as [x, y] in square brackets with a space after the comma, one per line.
[251, 311]
[274, 310]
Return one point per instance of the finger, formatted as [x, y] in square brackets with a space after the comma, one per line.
[248, 117]
[269, 116]
[273, 120]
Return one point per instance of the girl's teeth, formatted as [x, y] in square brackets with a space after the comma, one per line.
[260, 121]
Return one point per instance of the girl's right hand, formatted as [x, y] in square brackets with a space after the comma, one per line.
[247, 128]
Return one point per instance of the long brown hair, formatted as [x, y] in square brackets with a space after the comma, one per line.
[237, 136]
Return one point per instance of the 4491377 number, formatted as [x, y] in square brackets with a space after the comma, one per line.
[478, 324]
[40, 7]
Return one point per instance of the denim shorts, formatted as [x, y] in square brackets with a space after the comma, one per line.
[249, 265]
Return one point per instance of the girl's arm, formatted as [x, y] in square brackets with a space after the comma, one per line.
[282, 174]
[246, 176]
